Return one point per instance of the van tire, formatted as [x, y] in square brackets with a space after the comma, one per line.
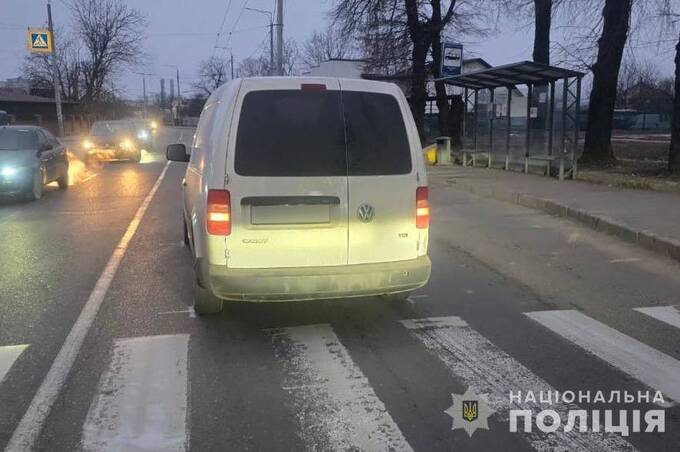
[205, 302]
[398, 297]
[185, 234]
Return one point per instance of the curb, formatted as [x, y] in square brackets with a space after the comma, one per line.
[649, 240]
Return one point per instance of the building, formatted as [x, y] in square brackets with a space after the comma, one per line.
[27, 109]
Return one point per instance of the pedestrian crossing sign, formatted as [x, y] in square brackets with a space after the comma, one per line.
[39, 40]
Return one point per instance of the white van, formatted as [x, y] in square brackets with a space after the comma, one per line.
[305, 188]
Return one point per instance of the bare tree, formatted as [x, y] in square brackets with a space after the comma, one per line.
[258, 66]
[323, 46]
[616, 16]
[397, 36]
[212, 73]
[38, 69]
[111, 33]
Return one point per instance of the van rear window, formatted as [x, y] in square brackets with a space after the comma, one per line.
[377, 143]
[290, 133]
[300, 133]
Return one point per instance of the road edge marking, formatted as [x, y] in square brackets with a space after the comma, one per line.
[27, 431]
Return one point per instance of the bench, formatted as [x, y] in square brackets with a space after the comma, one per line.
[473, 153]
[549, 159]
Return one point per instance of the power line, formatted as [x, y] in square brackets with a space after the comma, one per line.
[233, 28]
[219, 32]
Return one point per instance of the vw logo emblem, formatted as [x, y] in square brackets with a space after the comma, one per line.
[365, 212]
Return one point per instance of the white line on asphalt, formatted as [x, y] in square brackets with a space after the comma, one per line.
[488, 370]
[336, 406]
[653, 368]
[190, 311]
[666, 314]
[91, 176]
[8, 355]
[625, 260]
[28, 430]
[141, 401]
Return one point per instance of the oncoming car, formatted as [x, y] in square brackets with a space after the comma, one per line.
[110, 140]
[31, 157]
[305, 188]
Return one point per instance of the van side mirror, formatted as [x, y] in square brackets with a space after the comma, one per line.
[177, 153]
[45, 147]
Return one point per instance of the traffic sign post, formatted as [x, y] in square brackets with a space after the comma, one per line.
[452, 59]
[39, 40]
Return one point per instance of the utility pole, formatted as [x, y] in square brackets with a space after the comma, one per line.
[144, 94]
[231, 57]
[55, 78]
[279, 37]
[271, 37]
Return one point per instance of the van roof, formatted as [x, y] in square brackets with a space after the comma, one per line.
[219, 92]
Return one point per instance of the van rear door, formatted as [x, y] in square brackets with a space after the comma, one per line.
[382, 175]
[287, 175]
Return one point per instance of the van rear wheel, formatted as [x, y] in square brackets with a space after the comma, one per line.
[205, 302]
[398, 297]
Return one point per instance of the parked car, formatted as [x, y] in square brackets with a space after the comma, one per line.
[305, 188]
[4, 118]
[31, 157]
[109, 140]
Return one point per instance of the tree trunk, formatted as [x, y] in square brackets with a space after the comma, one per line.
[418, 89]
[616, 21]
[456, 129]
[440, 87]
[421, 44]
[674, 154]
[542, 15]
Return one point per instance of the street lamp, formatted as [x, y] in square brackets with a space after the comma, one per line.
[271, 36]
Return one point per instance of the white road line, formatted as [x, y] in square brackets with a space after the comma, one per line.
[8, 355]
[625, 260]
[336, 406]
[141, 401]
[486, 369]
[653, 368]
[666, 314]
[28, 430]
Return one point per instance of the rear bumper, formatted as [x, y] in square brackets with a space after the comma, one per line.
[308, 283]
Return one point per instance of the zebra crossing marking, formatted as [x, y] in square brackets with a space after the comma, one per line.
[336, 406]
[8, 356]
[648, 365]
[488, 370]
[666, 314]
[141, 401]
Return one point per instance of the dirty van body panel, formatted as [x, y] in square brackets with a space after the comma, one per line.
[286, 167]
[383, 175]
[206, 170]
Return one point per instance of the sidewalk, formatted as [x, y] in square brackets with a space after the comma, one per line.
[651, 219]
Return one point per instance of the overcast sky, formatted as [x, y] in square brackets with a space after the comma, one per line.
[183, 32]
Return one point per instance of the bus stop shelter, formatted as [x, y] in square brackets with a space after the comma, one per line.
[546, 132]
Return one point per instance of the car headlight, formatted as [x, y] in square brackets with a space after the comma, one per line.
[143, 135]
[126, 144]
[87, 144]
[9, 171]
[154, 124]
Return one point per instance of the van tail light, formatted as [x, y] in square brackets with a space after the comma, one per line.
[422, 208]
[219, 212]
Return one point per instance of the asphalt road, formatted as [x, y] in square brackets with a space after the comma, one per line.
[362, 374]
